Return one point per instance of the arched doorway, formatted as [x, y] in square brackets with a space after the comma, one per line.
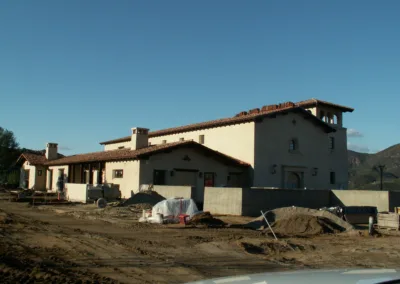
[293, 180]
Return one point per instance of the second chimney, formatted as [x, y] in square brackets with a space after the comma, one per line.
[139, 138]
[51, 151]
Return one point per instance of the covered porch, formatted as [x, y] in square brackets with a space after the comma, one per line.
[87, 173]
[79, 173]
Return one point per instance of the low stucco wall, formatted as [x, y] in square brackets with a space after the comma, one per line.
[257, 199]
[223, 200]
[249, 201]
[169, 191]
[380, 199]
[76, 192]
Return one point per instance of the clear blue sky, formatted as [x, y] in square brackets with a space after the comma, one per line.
[79, 72]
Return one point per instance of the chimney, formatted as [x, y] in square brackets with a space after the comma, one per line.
[139, 138]
[51, 151]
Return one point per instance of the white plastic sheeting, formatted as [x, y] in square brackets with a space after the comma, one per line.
[174, 207]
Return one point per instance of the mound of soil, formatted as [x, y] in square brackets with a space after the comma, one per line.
[205, 218]
[288, 212]
[149, 197]
[305, 225]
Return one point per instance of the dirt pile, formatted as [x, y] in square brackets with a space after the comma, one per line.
[305, 225]
[205, 218]
[149, 197]
[287, 212]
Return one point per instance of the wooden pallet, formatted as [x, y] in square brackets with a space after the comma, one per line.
[388, 220]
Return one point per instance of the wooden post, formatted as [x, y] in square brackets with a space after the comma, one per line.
[72, 173]
[90, 174]
[99, 174]
[81, 169]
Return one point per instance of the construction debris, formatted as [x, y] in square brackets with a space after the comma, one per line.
[172, 210]
[205, 218]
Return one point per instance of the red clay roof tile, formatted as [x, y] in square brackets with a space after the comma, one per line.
[36, 158]
[314, 102]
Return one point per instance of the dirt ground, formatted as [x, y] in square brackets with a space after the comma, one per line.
[71, 244]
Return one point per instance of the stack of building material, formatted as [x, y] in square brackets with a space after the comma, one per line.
[389, 220]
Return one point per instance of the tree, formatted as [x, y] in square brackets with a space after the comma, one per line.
[9, 150]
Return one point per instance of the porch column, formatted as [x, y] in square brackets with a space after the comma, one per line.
[48, 180]
[90, 180]
[81, 169]
[72, 174]
[98, 176]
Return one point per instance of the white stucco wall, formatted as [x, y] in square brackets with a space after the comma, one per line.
[234, 140]
[130, 182]
[76, 192]
[55, 176]
[272, 147]
[32, 174]
[338, 158]
[115, 146]
[172, 191]
[35, 181]
[174, 160]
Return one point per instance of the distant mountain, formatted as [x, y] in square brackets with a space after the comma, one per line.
[364, 175]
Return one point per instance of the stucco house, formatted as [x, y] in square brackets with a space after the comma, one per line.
[289, 145]
[33, 168]
[176, 163]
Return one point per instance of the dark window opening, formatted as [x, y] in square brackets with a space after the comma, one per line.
[201, 139]
[159, 177]
[332, 178]
[293, 145]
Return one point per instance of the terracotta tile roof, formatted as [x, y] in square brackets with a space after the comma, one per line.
[36, 158]
[315, 102]
[266, 111]
[127, 154]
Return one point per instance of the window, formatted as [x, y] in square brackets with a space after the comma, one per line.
[331, 143]
[121, 147]
[159, 177]
[293, 145]
[201, 139]
[332, 178]
[181, 139]
[164, 141]
[118, 173]
[40, 173]
[209, 179]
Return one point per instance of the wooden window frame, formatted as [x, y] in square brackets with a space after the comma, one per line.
[118, 173]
